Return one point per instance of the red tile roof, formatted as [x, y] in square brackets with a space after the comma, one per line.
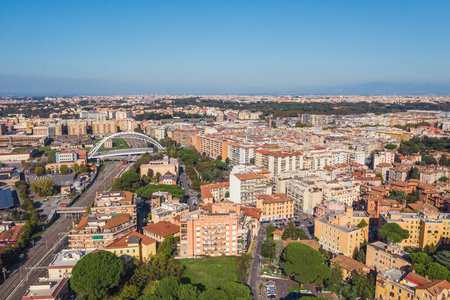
[162, 229]
[122, 242]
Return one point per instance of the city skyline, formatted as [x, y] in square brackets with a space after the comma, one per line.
[224, 48]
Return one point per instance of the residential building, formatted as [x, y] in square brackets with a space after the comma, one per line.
[98, 231]
[215, 192]
[133, 245]
[396, 284]
[159, 231]
[48, 289]
[168, 211]
[76, 128]
[278, 162]
[339, 232]
[386, 157]
[63, 263]
[425, 228]
[212, 146]
[349, 266]
[104, 127]
[275, 207]
[240, 154]
[382, 257]
[184, 137]
[307, 193]
[109, 203]
[247, 182]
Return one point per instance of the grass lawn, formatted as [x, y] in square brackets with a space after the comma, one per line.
[211, 272]
[118, 144]
[19, 150]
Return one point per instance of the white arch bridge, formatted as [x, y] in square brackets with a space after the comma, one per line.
[93, 153]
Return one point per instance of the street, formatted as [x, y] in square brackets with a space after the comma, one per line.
[190, 195]
[51, 242]
[255, 277]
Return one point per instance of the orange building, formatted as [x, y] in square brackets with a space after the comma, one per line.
[213, 146]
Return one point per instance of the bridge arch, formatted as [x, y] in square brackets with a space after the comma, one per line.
[125, 135]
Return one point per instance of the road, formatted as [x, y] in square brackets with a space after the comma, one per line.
[255, 273]
[51, 242]
[191, 195]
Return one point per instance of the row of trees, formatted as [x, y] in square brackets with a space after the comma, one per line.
[76, 168]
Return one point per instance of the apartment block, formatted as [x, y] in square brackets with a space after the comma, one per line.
[306, 193]
[213, 146]
[98, 231]
[63, 263]
[109, 203]
[104, 127]
[184, 137]
[278, 162]
[425, 228]
[214, 192]
[275, 207]
[386, 157]
[240, 154]
[159, 231]
[168, 211]
[77, 128]
[339, 233]
[396, 284]
[247, 182]
[382, 257]
[224, 230]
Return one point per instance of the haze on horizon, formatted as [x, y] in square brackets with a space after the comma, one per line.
[137, 47]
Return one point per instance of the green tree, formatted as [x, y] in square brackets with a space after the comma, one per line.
[363, 286]
[443, 179]
[304, 263]
[420, 258]
[278, 249]
[75, 168]
[380, 176]
[436, 271]
[236, 290]
[129, 292]
[39, 170]
[336, 278]
[128, 179]
[442, 258]
[227, 161]
[214, 294]
[83, 169]
[157, 176]
[267, 249]
[168, 288]
[150, 173]
[188, 292]
[96, 274]
[43, 187]
[293, 233]
[361, 256]
[393, 233]
[413, 173]
[64, 169]
[390, 147]
[269, 231]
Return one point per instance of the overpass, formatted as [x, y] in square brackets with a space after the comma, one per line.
[70, 210]
[124, 135]
[121, 153]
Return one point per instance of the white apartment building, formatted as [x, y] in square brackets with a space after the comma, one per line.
[247, 182]
[279, 162]
[240, 154]
[307, 193]
[383, 157]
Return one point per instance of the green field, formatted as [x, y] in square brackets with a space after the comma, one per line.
[19, 150]
[117, 145]
[211, 272]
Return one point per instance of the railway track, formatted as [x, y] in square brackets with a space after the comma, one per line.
[51, 242]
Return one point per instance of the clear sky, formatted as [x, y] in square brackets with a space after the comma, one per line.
[220, 46]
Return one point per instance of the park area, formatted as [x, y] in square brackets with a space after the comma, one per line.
[211, 272]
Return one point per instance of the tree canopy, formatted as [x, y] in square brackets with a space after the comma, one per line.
[293, 233]
[393, 233]
[96, 274]
[304, 263]
[43, 187]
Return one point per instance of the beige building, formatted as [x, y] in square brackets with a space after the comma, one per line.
[425, 228]
[104, 127]
[382, 257]
[349, 266]
[76, 128]
[168, 211]
[133, 245]
[64, 261]
[159, 231]
[214, 192]
[339, 233]
[395, 284]
[275, 207]
[162, 166]
[108, 203]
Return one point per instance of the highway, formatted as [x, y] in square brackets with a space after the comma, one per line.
[51, 242]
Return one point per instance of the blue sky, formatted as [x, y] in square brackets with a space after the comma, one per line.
[220, 46]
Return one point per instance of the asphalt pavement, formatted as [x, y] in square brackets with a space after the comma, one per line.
[255, 273]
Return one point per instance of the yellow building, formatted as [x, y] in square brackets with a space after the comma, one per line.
[394, 284]
[133, 245]
[424, 228]
[276, 206]
[349, 266]
[382, 257]
[339, 232]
